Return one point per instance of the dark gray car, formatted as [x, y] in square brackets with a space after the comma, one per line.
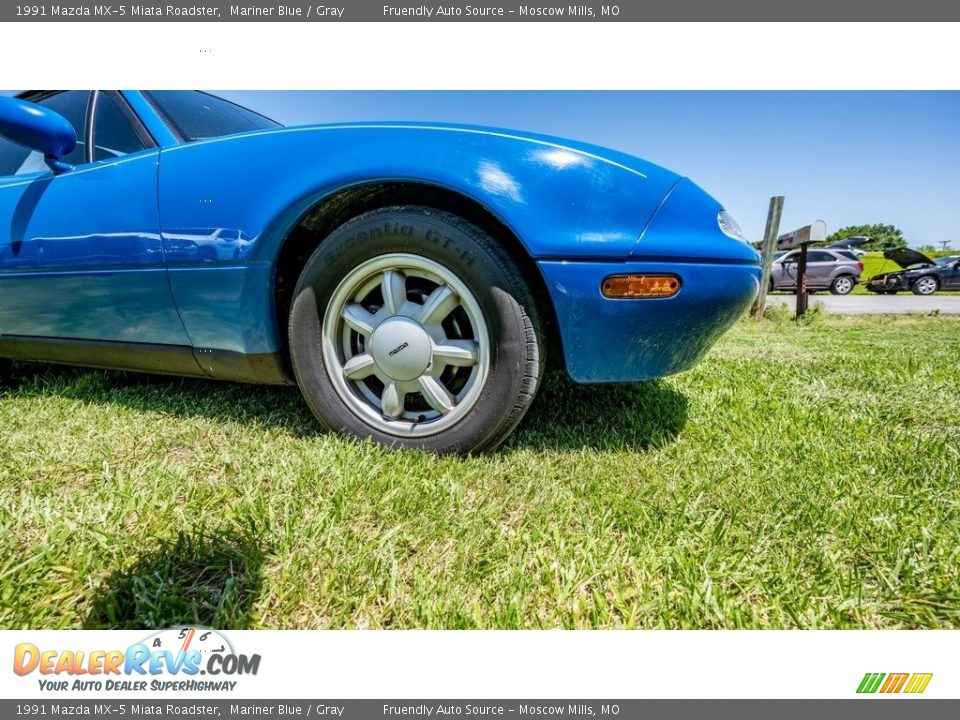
[827, 269]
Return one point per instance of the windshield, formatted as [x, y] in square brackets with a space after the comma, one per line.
[944, 261]
[196, 115]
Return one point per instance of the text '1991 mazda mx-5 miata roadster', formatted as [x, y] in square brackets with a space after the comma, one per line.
[412, 279]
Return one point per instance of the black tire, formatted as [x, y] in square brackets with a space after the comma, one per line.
[922, 285]
[517, 347]
[842, 285]
[5, 370]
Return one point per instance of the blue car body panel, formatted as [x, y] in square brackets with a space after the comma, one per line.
[559, 203]
[608, 340]
[719, 277]
[81, 255]
[189, 258]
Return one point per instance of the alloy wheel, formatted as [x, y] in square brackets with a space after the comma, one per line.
[926, 286]
[406, 345]
[843, 285]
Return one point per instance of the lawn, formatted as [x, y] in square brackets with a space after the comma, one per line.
[803, 475]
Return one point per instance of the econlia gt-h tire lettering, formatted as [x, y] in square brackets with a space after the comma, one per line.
[412, 327]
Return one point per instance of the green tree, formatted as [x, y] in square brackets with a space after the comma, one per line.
[882, 237]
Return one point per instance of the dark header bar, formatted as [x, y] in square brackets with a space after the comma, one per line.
[459, 11]
[203, 708]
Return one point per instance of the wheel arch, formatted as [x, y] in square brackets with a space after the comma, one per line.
[931, 276]
[326, 214]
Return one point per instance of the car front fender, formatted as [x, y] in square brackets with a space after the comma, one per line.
[227, 204]
[560, 200]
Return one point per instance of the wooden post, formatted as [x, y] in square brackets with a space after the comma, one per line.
[802, 296]
[766, 253]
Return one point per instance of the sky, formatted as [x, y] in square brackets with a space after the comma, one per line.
[844, 157]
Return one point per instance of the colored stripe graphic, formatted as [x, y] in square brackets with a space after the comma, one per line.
[870, 682]
[918, 682]
[894, 683]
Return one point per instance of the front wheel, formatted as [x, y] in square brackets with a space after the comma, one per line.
[925, 286]
[842, 285]
[413, 328]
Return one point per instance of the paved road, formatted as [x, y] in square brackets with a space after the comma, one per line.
[877, 304]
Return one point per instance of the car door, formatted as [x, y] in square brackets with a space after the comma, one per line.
[820, 266]
[784, 272]
[951, 275]
[81, 256]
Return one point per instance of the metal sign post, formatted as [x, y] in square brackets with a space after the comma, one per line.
[802, 238]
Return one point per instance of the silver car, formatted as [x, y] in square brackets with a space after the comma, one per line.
[835, 270]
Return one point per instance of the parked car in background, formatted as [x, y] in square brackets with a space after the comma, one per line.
[921, 274]
[852, 243]
[835, 270]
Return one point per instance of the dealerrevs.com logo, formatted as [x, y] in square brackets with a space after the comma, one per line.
[179, 659]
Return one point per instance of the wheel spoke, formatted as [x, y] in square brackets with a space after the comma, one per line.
[358, 318]
[436, 394]
[359, 367]
[392, 400]
[457, 352]
[393, 285]
[438, 305]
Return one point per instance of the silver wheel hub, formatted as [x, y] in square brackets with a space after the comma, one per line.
[405, 345]
[401, 348]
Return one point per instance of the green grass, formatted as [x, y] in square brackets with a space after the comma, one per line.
[803, 475]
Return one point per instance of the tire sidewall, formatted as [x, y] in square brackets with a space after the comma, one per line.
[465, 251]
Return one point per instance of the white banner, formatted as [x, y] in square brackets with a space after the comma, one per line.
[481, 664]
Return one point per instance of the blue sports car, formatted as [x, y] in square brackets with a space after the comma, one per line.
[412, 279]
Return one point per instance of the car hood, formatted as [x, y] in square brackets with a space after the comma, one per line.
[848, 243]
[905, 257]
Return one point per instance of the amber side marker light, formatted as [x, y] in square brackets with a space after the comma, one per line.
[640, 286]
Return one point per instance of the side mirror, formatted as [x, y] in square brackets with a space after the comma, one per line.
[40, 129]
